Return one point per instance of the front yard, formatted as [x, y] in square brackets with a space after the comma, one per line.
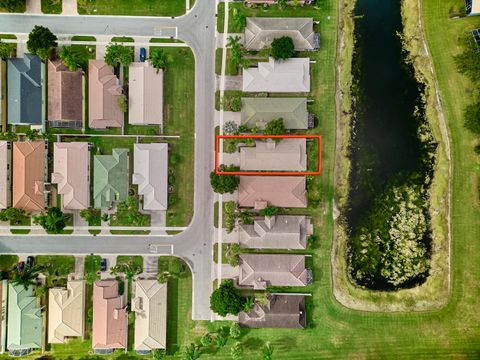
[133, 7]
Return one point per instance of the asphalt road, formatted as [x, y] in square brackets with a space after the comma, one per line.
[194, 245]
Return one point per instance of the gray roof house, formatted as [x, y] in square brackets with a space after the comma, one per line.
[262, 270]
[25, 90]
[270, 155]
[280, 311]
[257, 112]
[261, 31]
[276, 232]
[286, 76]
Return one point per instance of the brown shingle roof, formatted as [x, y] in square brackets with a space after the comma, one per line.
[64, 92]
[29, 175]
[280, 311]
[103, 92]
[282, 191]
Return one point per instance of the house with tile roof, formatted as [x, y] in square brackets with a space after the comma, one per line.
[25, 90]
[271, 155]
[65, 96]
[280, 191]
[104, 90]
[258, 112]
[110, 178]
[110, 327]
[276, 232]
[261, 31]
[150, 307]
[150, 173]
[286, 76]
[281, 311]
[472, 7]
[66, 312]
[29, 175]
[71, 173]
[5, 174]
[263, 270]
[25, 322]
[145, 91]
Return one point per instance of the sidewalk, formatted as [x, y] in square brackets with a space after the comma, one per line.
[69, 7]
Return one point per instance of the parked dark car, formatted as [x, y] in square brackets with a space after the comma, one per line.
[20, 266]
[143, 54]
[30, 261]
[103, 265]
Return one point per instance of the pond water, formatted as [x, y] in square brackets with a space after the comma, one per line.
[384, 143]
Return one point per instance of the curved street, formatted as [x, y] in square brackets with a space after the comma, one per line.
[194, 245]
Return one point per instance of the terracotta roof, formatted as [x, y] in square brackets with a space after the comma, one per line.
[150, 306]
[29, 175]
[66, 312]
[263, 270]
[281, 191]
[5, 165]
[286, 76]
[103, 92]
[285, 155]
[276, 232]
[280, 311]
[64, 92]
[261, 31]
[145, 91]
[109, 316]
[71, 171]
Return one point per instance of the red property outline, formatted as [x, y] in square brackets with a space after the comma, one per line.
[269, 173]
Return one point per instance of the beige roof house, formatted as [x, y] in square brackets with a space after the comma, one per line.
[263, 270]
[276, 232]
[65, 99]
[66, 312]
[71, 172]
[150, 173]
[29, 175]
[281, 191]
[103, 93]
[150, 307]
[145, 90]
[5, 177]
[280, 311]
[270, 155]
[109, 330]
[261, 31]
[257, 112]
[286, 76]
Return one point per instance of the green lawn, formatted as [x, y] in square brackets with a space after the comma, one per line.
[179, 119]
[133, 7]
[83, 38]
[122, 39]
[7, 262]
[19, 7]
[137, 261]
[56, 268]
[230, 68]
[51, 6]
[92, 268]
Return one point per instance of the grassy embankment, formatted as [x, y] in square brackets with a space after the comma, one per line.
[133, 8]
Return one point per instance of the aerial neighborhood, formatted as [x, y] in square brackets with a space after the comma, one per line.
[190, 179]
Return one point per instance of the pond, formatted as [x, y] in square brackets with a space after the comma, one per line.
[385, 147]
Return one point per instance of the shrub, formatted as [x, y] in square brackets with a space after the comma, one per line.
[171, 179]
[174, 159]
[226, 299]
[235, 330]
[282, 48]
[269, 211]
[172, 199]
[225, 183]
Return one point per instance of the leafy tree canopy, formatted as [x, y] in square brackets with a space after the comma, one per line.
[275, 127]
[158, 58]
[282, 48]
[53, 221]
[5, 50]
[225, 183]
[269, 211]
[116, 54]
[41, 42]
[226, 299]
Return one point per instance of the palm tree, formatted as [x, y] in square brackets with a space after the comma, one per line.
[267, 351]
[26, 278]
[69, 58]
[158, 59]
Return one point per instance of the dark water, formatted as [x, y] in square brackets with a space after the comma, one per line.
[384, 138]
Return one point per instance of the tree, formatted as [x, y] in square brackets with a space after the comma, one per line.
[226, 299]
[25, 278]
[158, 58]
[118, 55]
[31, 134]
[235, 330]
[191, 352]
[246, 217]
[90, 215]
[5, 50]
[230, 128]
[248, 305]
[269, 211]
[267, 351]
[225, 183]
[282, 48]
[13, 215]
[70, 58]
[129, 269]
[275, 127]
[236, 351]
[282, 4]
[236, 51]
[206, 339]
[472, 117]
[467, 61]
[53, 221]
[221, 340]
[159, 354]
[41, 42]
[231, 210]
[232, 254]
